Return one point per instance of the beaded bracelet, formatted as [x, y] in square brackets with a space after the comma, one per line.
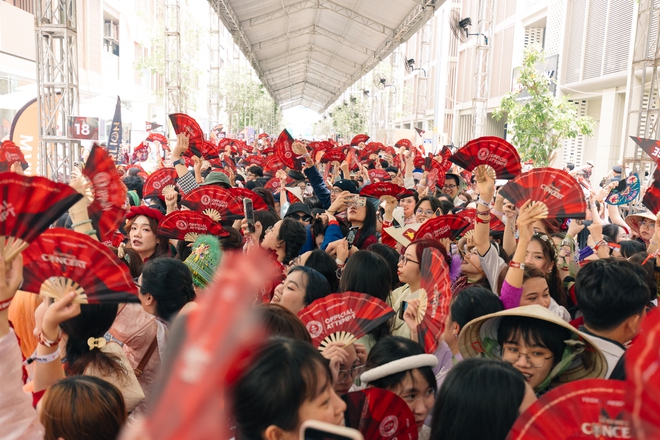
[91, 232]
[84, 222]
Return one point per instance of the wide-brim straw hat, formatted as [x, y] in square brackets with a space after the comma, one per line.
[590, 364]
[633, 220]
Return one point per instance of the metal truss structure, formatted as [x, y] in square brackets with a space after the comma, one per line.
[482, 61]
[214, 67]
[174, 99]
[57, 83]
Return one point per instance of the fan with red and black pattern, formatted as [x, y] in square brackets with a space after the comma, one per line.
[290, 151]
[404, 143]
[61, 260]
[359, 139]
[257, 202]
[559, 191]
[183, 123]
[383, 189]
[651, 199]
[160, 183]
[379, 414]
[379, 175]
[107, 211]
[649, 146]
[444, 226]
[28, 206]
[218, 203]
[492, 152]
[273, 164]
[10, 153]
[157, 137]
[140, 153]
[496, 224]
[274, 184]
[337, 154]
[260, 161]
[188, 226]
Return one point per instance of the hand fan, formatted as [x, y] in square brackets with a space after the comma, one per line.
[359, 139]
[496, 224]
[443, 159]
[642, 380]
[28, 206]
[160, 183]
[432, 179]
[381, 189]
[183, 123]
[107, 211]
[370, 150]
[628, 194]
[652, 199]
[444, 226]
[379, 414]
[140, 153]
[257, 202]
[256, 160]
[224, 143]
[218, 203]
[584, 409]
[343, 317]
[188, 226]
[379, 174]
[157, 137]
[273, 164]
[9, 154]
[558, 190]
[434, 298]
[289, 151]
[403, 143]
[492, 151]
[273, 185]
[335, 155]
[61, 260]
[268, 150]
[649, 146]
[205, 150]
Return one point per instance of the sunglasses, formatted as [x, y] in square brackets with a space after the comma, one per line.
[304, 217]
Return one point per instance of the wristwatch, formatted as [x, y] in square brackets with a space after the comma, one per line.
[179, 161]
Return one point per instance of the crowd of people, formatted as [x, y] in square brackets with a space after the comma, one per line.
[532, 304]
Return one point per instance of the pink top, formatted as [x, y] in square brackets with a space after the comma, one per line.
[510, 296]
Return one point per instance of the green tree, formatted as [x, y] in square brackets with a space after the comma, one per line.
[541, 121]
[350, 117]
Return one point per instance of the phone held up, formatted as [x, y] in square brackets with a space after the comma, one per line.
[350, 238]
[315, 430]
[249, 214]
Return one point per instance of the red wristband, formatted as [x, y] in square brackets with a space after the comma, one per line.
[479, 220]
[517, 265]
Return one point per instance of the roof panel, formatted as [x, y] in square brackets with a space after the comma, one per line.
[307, 52]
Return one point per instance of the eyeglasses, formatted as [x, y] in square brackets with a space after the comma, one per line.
[535, 358]
[357, 202]
[305, 218]
[428, 212]
[404, 260]
[450, 186]
[647, 224]
[353, 373]
[337, 191]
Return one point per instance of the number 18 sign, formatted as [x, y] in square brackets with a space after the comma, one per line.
[81, 127]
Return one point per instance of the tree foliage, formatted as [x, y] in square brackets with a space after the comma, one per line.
[350, 117]
[541, 121]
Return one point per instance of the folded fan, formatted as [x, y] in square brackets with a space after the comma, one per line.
[343, 317]
[491, 151]
[359, 139]
[10, 153]
[444, 226]
[256, 160]
[382, 189]
[183, 123]
[380, 174]
[626, 195]
[290, 151]
[28, 206]
[188, 226]
[218, 203]
[157, 137]
[160, 183]
[651, 199]
[557, 189]
[336, 154]
[496, 224]
[61, 260]
[379, 414]
[257, 202]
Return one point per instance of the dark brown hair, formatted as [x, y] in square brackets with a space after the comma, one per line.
[162, 243]
[280, 321]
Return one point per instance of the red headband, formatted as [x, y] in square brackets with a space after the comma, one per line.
[145, 211]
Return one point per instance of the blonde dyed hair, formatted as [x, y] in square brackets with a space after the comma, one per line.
[21, 315]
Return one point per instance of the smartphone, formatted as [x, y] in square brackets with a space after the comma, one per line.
[249, 213]
[351, 236]
[402, 309]
[315, 430]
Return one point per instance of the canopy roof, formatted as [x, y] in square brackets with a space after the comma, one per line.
[308, 52]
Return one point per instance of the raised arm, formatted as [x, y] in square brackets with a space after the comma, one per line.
[486, 188]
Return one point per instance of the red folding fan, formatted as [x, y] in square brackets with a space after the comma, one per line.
[274, 184]
[140, 153]
[157, 137]
[496, 224]
[491, 151]
[28, 206]
[379, 174]
[358, 139]
[379, 414]
[218, 203]
[382, 189]
[183, 123]
[273, 164]
[652, 199]
[289, 151]
[9, 154]
[257, 202]
[403, 143]
[584, 409]
[643, 381]
[335, 155]
[444, 226]
[434, 298]
[256, 160]
[160, 183]
[107, 211]
[649, 146]
[188, 226]
[557, 189]
[61, 260]
[343, 317]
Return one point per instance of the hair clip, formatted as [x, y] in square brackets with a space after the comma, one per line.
[96, 343]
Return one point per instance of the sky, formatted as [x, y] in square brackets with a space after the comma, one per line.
[299, 121]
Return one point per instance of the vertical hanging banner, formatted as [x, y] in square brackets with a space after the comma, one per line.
[114, 140]
[25, 133]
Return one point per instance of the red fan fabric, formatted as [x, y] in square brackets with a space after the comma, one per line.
[158, 181]
[274, 184]
[205, 150]
[284, 150]
[257, 202]
[372, 148]
[489, 150]
[437, 284]
[359, 139]
[560, 192]
[355, 313]
[335, 155]
[444, 226]
[29, 205]
[214, 198]
[9, 154]
[256, 160]
[157, 137]
[379, 414]
[496, 224]
[60, 252]
[181, 225]
[107, 211]
[584, 409]
[652, 199]
[273, 164]
[381, 189]
[378, 174]
[183, 123]
[140, 153]
[643, 381]
[403, 143]
[649, 146]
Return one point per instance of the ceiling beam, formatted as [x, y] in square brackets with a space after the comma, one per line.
[279, 13]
